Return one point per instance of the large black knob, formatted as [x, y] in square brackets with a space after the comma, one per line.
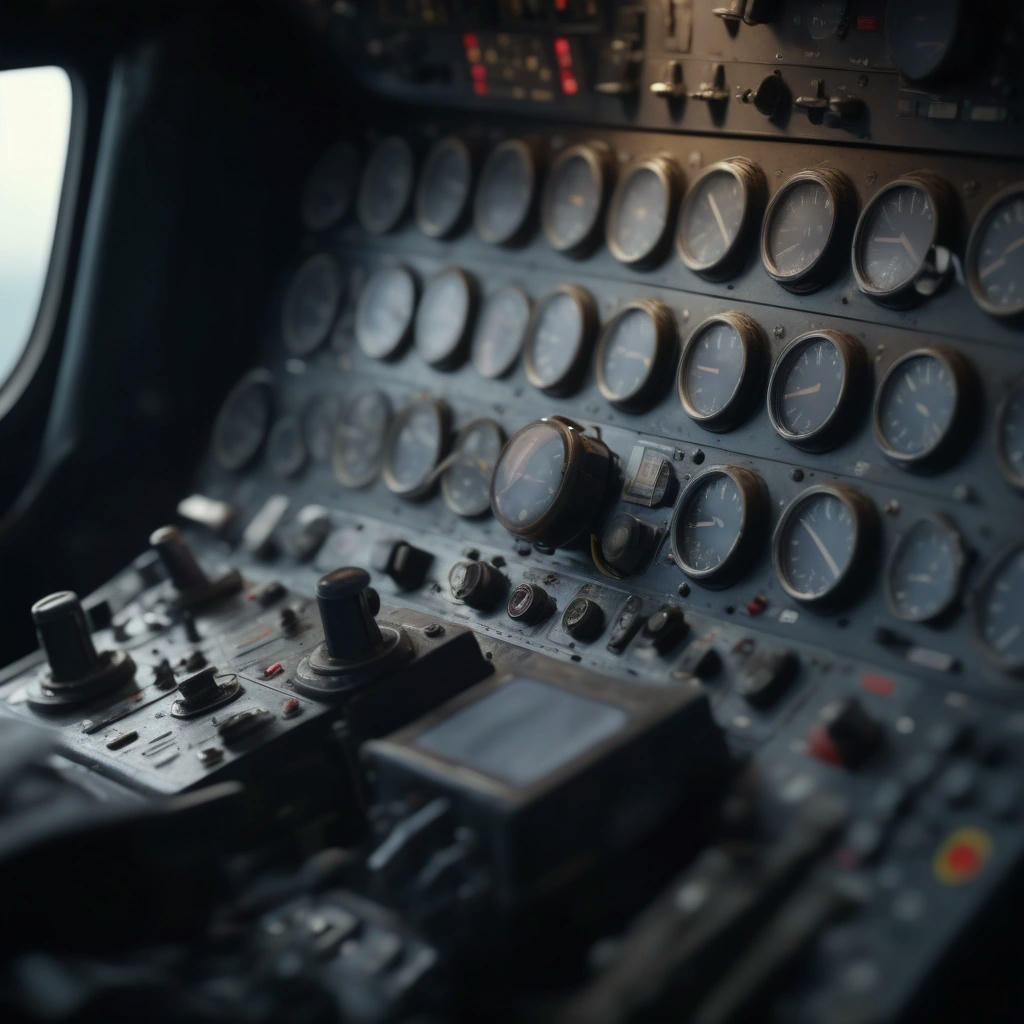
[64, 634]
[626, 543]
[347, 609]
[194, 586]
[477, 584]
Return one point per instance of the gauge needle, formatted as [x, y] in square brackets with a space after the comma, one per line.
[1008, 638]
[789, 248]
[718, 218]
[708, 369]
[920, 577]
[628, 353]
[812, 390]
[713, 521]
[900, 239]
[922, 409]
[825, 553]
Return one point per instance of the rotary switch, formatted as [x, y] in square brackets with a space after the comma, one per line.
[195, 588]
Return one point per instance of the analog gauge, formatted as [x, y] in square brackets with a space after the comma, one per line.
[442, 195]
[311, 304]
[330, 187]
[806, 229]
[995, 255]
[998, 622]
[720, 374]
[318, 424]
[558, 339]
[1010, 435]
[924, 36]
[636, 349]
[505, 195]
[286, 447]
[825, 19]
[717, 216]
[444, 317]
[901, 244]
[416, 443]
[926, 570]
[384, 313]
[815, 389]
[719, 524]
[386, 188]
[500, 331]
[641, 209]
[823, 544]
[243, 421]
[550, 482]
[359, 438]
[924, 407]
[466, 483]
[574, 198]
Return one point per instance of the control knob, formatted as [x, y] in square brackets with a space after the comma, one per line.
[195, 588]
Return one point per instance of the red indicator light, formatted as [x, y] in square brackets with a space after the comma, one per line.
[470, 41]
[562, 47]
[273, 670]
[964, 859]
[479, 72]
[561, 5]
[480, 87]
[569, 84]
[962, 856]
[757, 605]
[868, 23]
[881, 686]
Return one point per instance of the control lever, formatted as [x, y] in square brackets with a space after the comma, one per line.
[195, 588]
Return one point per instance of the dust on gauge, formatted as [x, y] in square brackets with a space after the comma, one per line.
[311, 304]
[500, 332]
[466, 483]
[359, 437]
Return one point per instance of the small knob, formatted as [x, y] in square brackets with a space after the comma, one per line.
[583, 619]
[626, 543]
[529, 604]
[847, 735]
[186, 573]
[665, 628]
[347, 605]
[201, 689]
[477, 584]
[671, 85]
[64, 635]
[770, 95]
[405, 564]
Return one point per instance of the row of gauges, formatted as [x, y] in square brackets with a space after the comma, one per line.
[902, 243]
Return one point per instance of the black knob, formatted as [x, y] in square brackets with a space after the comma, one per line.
[583, 619]
[63, 633]
[626, 543]
[477, 584]
[181, 565]
[405, 564]
[769, 96]
[347, 608]
[665, 628]
[529, 604]
[201, 689]
[854, 732]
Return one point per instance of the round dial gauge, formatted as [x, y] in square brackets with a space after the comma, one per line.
[330, 187]
[924, 35]
[443, 318]
[995, 255]
[574, 198]
[384, 313]
[807, 229]
[721, 370]
[558, 339]
[923, 407]
[550, 481]
[824, 19]
[386, 188]
[718, 215]
[641, 209]
[318, 425]
[505, 194]
[442, 195]
[823, 543]
[636, 348]
[926, 570]
[998, 623]
[311, 304]
[359, 438]
[286, 447]
[466, 483]
[416, 443]
[1010, 435]
[500, 331]
[718, 524]
[900, 245]
[815, 388]
[243, 421]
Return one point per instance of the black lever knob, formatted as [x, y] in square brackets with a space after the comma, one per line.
[64, 634]
[347, 608]
[186, 573]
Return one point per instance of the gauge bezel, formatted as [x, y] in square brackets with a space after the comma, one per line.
[340, 471]
[1006, 468]
[300, 455]
[317, 260]
[383, 226]
[518, 233]
[864, 517]
[955, 435]
[1005, 313]
[399, 347]
[665, 338]
[587, 310]
[946, 527]
[264, 383]
[424, 484]
[754, 190]
[671, 177]
[841, 421]
[1012, 666]
[505, 369]
[598, 159]
[752, 532]
[844, 205]
[473, 425]
[456, 352]
[431, 228]
[741, 402]
[326, 162]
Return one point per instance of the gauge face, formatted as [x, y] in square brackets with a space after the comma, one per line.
[311, 304]
[632, 352]
[558, 339]
[466, 483]
[442, 195]
[1010, 436]
[384, 314]
[504, 196]
[415, 444]
[998, 620]
[387, 185]
[286, 447]
[721, 370]
[500, 331]
[574, 199]
[995, 255]
[811, 388]
[528, 476]
[318, 425]
[923, 35]
[359, 439]
[638, 220]
[925, 571]
[443, 318]
[824, 18]
[330, 187]
[243, 421]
